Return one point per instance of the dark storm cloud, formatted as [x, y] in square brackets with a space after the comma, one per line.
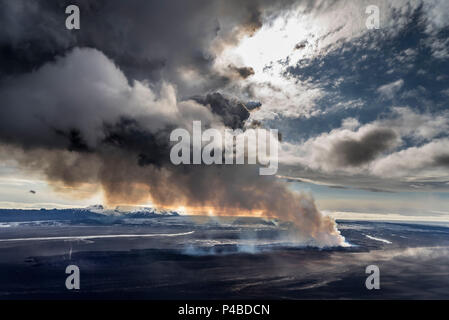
[150, 40]
[356, 152]
[31, 33]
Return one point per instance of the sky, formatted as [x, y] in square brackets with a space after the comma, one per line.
[85, 114]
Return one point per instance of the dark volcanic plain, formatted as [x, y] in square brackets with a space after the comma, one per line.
[205, 258]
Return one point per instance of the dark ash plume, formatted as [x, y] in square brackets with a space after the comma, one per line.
[233, 113]
[97, 107]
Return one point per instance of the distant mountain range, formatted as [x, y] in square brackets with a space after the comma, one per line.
[92, 213]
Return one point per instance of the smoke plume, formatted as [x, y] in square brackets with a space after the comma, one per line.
[97, 108]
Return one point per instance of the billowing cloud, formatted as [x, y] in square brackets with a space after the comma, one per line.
[378, 149]
[343, 149]
[428, 160]
[149, 40]
[73, 100]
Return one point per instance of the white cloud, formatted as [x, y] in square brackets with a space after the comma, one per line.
[415, 162]
[389, 90]
[437, 14]
[418, 126]
[320, 27]
[377, 148]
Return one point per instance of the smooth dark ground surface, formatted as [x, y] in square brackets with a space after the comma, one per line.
[243, 259]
